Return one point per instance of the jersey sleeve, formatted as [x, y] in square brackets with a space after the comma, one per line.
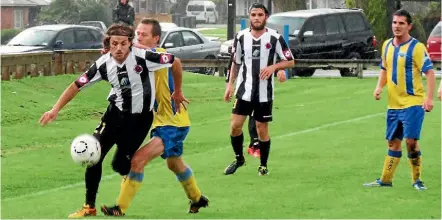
[283, 50]
[155, 60]
[383, 63]
[92, 75]
[237, 52]
[421, 58]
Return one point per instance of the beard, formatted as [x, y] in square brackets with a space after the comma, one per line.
[258, 27]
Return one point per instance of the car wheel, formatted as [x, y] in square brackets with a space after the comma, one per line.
[208, 70]
[349, 72]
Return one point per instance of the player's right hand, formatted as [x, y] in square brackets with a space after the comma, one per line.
[228, 93]
[48, 116]
[377, 93]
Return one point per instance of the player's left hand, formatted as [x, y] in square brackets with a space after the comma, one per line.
[281, 76]
[428, 105]
[266, 73]
[48, 116]
[179, 100]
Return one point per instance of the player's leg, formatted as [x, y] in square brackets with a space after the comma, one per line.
[105, 133]
[413, 118]
[239, 113]
[133, 132]
[173, 138]
[394, 136]
[253, 133]
[263, 115]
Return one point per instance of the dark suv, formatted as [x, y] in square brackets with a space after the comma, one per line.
[326, 34]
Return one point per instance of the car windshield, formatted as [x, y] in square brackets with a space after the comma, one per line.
[163, 34]
[33, 37]
[436, 32]
[92, 24]
[295, 23]
[195, 8]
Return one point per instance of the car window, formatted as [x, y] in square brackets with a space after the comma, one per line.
[195, 8]
[436, 32]
[191, 38]
[97, 35]
[67, 37]
[33, 37]
[295, 23]
[354, 22]
[331, 25]
[315, 25]
[210, 9]
[175, 38]
[83, 36]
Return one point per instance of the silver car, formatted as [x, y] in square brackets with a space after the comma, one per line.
[186, 43]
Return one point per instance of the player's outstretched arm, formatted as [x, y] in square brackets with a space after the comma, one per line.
[232, 77]
[177, 96]
[64, 99]
[439, 91]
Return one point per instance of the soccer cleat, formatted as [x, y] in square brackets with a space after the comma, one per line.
[251, 150]
[419, 185]
[257, 153]
[85, 211]
[202, 203]
[254, 150]
[378, 183]
[263, 171]
[112, 211]
[231, 169]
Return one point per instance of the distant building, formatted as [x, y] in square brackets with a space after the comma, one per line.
[18, 14]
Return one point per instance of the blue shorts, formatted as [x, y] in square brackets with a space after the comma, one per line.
[172, 138]
[404, 123]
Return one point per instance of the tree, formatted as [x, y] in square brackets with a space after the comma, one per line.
[290, 5]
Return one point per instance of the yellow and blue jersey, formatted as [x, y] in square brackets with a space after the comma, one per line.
[165, 113]
[405, 64]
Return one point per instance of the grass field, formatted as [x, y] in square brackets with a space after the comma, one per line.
[218, 32]
[327, 140]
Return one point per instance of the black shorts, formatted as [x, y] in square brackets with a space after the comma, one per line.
[261, 111]
[126, 130]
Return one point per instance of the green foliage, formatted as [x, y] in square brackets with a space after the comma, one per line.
[377, 16]
[418, 31]
[290, 5]
[79, 10]
[8, 34]
[433, 16]
[350, 3]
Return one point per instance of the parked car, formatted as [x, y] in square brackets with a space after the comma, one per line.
[98, 24]
[204, 11]
[186, 43]
[54, 37]
[434, 42]
[323, 34]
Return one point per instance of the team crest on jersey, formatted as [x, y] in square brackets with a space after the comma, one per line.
[402, 54]
[83, 79]
[268, 46]
[124, 81]
[138, 69]
[287, 53]
[255, 53]
[165, 58]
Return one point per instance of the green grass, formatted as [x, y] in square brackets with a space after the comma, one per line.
[218, 32]
[327, 140]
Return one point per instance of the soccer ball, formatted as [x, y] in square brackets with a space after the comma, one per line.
[85, 150]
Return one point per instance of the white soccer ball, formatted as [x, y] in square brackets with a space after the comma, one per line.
[85, 150]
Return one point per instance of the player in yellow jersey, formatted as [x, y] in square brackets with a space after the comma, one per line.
[403, 61]
[168, 133]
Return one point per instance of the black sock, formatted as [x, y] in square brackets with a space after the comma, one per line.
[92, 178]
[264, 146]
[237, 143]
[253, 133]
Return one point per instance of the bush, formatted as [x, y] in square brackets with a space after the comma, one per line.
[8, 34]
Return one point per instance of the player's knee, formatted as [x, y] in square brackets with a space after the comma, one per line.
[235, 129]
[176, 164]
[394, 145]
[137, 164]
[411, 144]
[262, 129]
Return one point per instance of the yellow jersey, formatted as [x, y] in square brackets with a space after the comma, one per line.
[405, 64]
[165, 113]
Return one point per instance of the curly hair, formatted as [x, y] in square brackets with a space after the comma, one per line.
[118, 30]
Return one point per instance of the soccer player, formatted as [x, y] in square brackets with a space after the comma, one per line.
[255, 50]
[129, 115]
[168, 133]
[403, 60]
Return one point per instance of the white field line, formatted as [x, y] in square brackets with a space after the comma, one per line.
[290, 134]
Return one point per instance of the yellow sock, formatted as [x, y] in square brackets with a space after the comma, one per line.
[188, 182]
[129, 187]
[415, 161]
[390, 164]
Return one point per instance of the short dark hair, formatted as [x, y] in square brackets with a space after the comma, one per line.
[404, 13]
[156, 27]
[118, 30]
[259, 5]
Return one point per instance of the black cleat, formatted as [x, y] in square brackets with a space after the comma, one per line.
[112, 211]
[195, 206]
[263, 171]
[231, 169]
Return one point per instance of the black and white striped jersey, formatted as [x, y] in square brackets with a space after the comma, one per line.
[254, 54]
[133, 81]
